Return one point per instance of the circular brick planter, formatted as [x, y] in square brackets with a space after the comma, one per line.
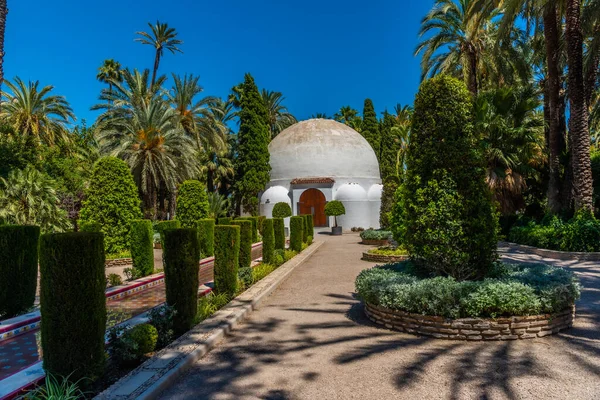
[383, 259]
[373, 242]
[510, 328]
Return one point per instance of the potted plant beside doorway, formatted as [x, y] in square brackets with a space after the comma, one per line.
[334, 209]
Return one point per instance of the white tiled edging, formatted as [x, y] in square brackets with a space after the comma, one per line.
[153, 376]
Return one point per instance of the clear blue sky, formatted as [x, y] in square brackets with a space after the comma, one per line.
[320, 54]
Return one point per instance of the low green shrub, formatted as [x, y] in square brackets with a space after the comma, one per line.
[206, 237]
[279, 257]
[511, 289]
[131, 274]
[388, 251]
[296, 233]
[145, 336]
[162, 319]
[181, 258]
[268, 246]
[282, 210]
[57, 388]
[114, 279]
[73, 304]
[192, 203]
[227, 251]
[245, 257]
[128, 346]
[142, 246]
[262, 270]
[224, 221]
[18, 268]
[289, 254]
[89, 227]
[279, 232]
[309, 240]
[245, 277]
[210, 304]
[375, 234]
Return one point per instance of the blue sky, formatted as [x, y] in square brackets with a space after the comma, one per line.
[320, 54]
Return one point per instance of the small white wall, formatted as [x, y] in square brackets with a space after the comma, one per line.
[358, 214]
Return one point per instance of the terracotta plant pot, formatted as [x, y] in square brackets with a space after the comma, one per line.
[336, 230]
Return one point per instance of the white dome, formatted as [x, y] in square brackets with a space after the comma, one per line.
[351, 192]
[374, 193]
[274, 195]
[321, 148]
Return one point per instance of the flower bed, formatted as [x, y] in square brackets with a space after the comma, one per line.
[533, 291]
[385, 255]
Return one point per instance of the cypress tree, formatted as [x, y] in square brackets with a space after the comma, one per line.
[252, 163]
[388, 148]
[370, 126]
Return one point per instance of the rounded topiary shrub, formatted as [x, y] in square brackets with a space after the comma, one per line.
[181, 256]
[245, 257]
[447, 221]
[142, 246]
[268, 247]
[296, 233]
[206, 237]
[282, 210]
[192, 203]
[227, 250]
[18, 268]
[335, 208]
[279, 232]
[73, 304]
[112, 202]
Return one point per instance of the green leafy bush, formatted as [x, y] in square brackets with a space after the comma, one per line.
[224, 221]
[112, 202]
[296, 233]
[446, 218]
[162, 226]
[206, 237]
[373, 234]
[18, 268]
[279, 257]
[114, 279]
[227, 251]
[279, 232]
[268, 247]
[511, 289]
[335, 208]
[90, 227]
[145, 336]
[388, 251]
[262, 270]
[245, 257]
[282, 210]
[73, 305]
[128, 346]
[142, 246]
[181, 261]
[162, 319]
[289, 254]
[210, 304]
[192, 203]
[132, 274]
[245, 276]
[57, 388]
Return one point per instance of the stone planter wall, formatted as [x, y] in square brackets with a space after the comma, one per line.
[378, 258]
[373, 242]
[555, 254]
[118, 262]
[510, 328]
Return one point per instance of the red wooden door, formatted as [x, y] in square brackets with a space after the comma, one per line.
[312, 201]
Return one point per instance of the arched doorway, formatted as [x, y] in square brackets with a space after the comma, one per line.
[312, 201]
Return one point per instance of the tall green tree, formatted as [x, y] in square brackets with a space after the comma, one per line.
[3, 15]
[279, 116]
[161, 37]
[370, 127]
[252, 162]
[346, 115]
[110, 71]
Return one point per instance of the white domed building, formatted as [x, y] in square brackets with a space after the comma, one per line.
[319, 160]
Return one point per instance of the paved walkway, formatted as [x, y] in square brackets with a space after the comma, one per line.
[312, 341]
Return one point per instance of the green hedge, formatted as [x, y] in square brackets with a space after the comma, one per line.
[206, 237]
[282, 210]
[227, 251]
[73, 305]
[224, 221]
[311, 225]
[279, 232]
[192, 203]
[142, 246]
[162, 226]
[268, 246]
[245, 257]
[261, 219]
[510, 289]
[254, 221]
[181, 259]
[296, 233]
[18, 268]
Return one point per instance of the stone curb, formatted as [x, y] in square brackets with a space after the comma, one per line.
[555, 254]
[149, 379]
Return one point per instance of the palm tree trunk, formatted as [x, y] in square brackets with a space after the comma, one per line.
[3, 14]
[590, 79]
[472, 59]
[578, 123]
[156, 62]
[210, 182]
[552, 41]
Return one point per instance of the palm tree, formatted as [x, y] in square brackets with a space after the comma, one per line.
[320, 115]
[3, 15]
[31, 111]
[346, 115]
[279, 117]
[109, 72]
[161, 37]
[217, 205]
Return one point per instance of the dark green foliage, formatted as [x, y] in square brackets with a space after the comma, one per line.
[112, 202]
[261, 219]
[335, 208]
[245, 256]
[162, 226]
[305, 232]
[245, 276]
[181, 262]
[162, 319]
[252, 163]
[192, 203]
[387, 201]
[227, 251]
[279, 232]
[145, 336]
[388, 151]
[206, 237]
[18, 268]
[447, 221]
[268, 247]
[142, 246]
[224, 221]
[90, 227]
[73, 305]
[128, 346]
[511, 289]
[296, 233]
[370, 126]
[282, 210]
[254, 221]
